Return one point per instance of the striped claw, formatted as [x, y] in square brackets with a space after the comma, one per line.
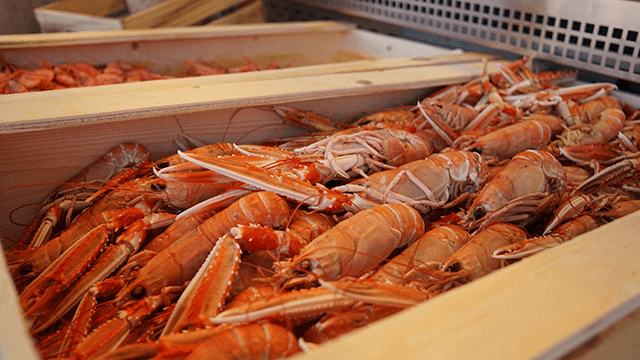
[206, 293]
[379, 293]
[316, 197]
[623, 172]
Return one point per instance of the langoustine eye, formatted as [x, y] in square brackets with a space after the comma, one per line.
[158, 186]
[478, 213]
[138, 292]
[455, 267]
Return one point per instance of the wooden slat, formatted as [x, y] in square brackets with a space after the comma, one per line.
[100, 37]
[540, 308]
[176, 13]
[313, 70]
[15, 342]
[127, 101]
[60, 15]
[95, 8]
[198, 12]
[250, 14]
[79, 15]
[62, 21]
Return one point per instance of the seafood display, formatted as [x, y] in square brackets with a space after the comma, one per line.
[48, 76]
[264, 251]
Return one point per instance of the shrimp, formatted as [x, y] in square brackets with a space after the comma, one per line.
[517, 190]
[474, 259]
[563, 233]
[510, 140]
[68, 197]
[354, 245]
[180, 261]
[423, 184]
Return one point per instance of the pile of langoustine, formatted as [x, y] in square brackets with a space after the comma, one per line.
[282, 248]
[48, 76]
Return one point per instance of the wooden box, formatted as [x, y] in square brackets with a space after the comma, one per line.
[542, 307]
[164, 50]
[91, 15]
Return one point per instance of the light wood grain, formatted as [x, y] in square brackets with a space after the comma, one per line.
[176, 13]
[196, 13]
[79, 15]
[92, 37]
[61, 21]
[15, 342]
[251, 13]
[95, 8]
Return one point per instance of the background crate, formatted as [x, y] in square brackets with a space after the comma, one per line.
[90, 15]
[164, 50]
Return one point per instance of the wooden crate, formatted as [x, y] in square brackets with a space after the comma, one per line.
[66, 121]
[91, 15]
[164, 50]
[542, 307]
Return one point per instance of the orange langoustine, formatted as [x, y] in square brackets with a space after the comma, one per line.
[47, 76]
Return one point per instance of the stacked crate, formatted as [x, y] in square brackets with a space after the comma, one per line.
[81, 15]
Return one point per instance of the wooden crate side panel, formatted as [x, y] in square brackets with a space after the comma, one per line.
[75, 38]
[164, 50]
[58, 21]
[56, 155]
[250, 14]
[116, 103]
[168, 56]
[164, 58]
